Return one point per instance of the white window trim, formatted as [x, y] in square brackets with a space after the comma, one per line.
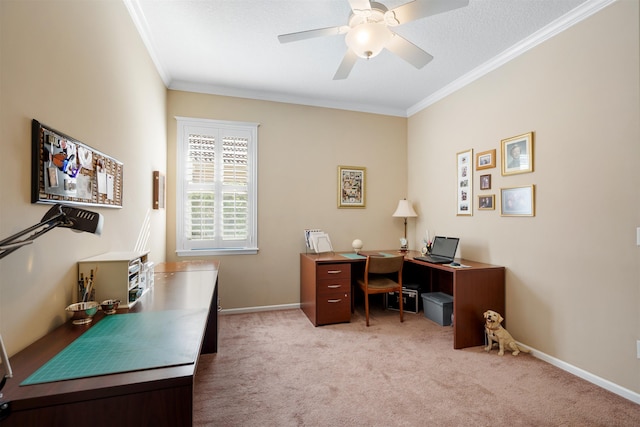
[252, 249]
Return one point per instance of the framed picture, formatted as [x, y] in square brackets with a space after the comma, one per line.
[486, 160]
[485, 182]
[517, 201]
[486, 202]
[465, 182]
[517, 154]
[351, 186]
[65, 170]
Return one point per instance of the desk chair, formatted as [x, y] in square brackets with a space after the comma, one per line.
[379, 274]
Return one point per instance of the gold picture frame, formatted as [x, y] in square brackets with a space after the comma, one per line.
[517, 154]
[486, 160]
[486, 202]
[352, 182]
[517, 201]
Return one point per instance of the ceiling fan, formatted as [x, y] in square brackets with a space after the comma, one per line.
[369, 31]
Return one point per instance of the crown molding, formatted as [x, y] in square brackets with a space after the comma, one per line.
[556, 27]
[286, 99]
[580, 13]
[135, 11]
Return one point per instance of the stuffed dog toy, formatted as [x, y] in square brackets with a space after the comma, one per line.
[496, 333]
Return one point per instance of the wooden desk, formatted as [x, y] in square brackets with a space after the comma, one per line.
[475, 290]
[158, 397]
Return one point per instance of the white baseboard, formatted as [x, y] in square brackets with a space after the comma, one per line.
[581, 373]
[261, 308]
[588, 376]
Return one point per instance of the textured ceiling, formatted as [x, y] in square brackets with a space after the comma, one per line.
[230, 47]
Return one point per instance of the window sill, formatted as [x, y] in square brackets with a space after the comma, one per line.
[216, 252]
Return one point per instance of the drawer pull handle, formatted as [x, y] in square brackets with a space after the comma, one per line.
[334, 300]
[334, 286]
[334, 271]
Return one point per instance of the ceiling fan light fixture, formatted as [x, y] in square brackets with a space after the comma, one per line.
[368, 39]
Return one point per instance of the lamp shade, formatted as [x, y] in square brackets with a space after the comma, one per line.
[368, 39]
[405, 210]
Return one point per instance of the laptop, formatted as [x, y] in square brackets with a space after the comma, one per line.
[443, 250]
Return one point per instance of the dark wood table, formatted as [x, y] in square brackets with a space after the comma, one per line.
[157, 397]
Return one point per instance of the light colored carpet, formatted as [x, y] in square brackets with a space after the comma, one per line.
[277, 369]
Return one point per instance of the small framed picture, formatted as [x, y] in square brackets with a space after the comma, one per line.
[486, 160]
[465, 182]
[486, 202]
[351, 186]
[517, 154]
[517, 201]
[485, 182]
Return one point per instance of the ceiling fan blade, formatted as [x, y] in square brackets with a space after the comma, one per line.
[346, 65]
[309, 34]
[359, 5]
[408, 51]
[422, 8]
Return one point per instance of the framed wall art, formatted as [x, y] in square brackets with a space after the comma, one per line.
[517, 201]
[486, 202]
[351, 186]
[517, 154]
[486, 160]
[464, 183]
[64, 170]
[485, 182]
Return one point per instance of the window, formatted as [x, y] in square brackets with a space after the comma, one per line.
[216, 212]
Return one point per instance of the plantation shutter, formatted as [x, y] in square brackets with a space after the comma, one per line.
[218, 192]
[200, 177]
[234, 188]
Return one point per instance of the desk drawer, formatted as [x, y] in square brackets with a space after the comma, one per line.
[330, 286]
[333, 271]
[334, 308]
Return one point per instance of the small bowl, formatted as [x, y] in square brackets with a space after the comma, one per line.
[109, 306]
[82, 312]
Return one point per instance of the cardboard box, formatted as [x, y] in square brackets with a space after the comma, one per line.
[438, 307]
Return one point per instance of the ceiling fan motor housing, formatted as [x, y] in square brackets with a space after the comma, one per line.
[368, 34]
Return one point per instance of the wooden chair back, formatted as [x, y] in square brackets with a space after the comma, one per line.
[384, 265]
[379, 278]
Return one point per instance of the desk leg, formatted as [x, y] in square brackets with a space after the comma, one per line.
[210, 344]
[474, 292]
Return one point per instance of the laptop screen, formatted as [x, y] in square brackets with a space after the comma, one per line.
[445, 246]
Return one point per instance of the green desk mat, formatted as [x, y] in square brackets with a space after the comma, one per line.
[358, 256]
[127, 342]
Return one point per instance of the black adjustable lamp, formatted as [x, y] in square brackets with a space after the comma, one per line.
[58, 216]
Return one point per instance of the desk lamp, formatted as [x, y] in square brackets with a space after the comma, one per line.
[404, 210]
[58, 216]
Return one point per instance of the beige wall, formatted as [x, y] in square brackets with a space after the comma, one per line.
[572, 270]
[299, 150]
[579, 92]
[81, 68]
